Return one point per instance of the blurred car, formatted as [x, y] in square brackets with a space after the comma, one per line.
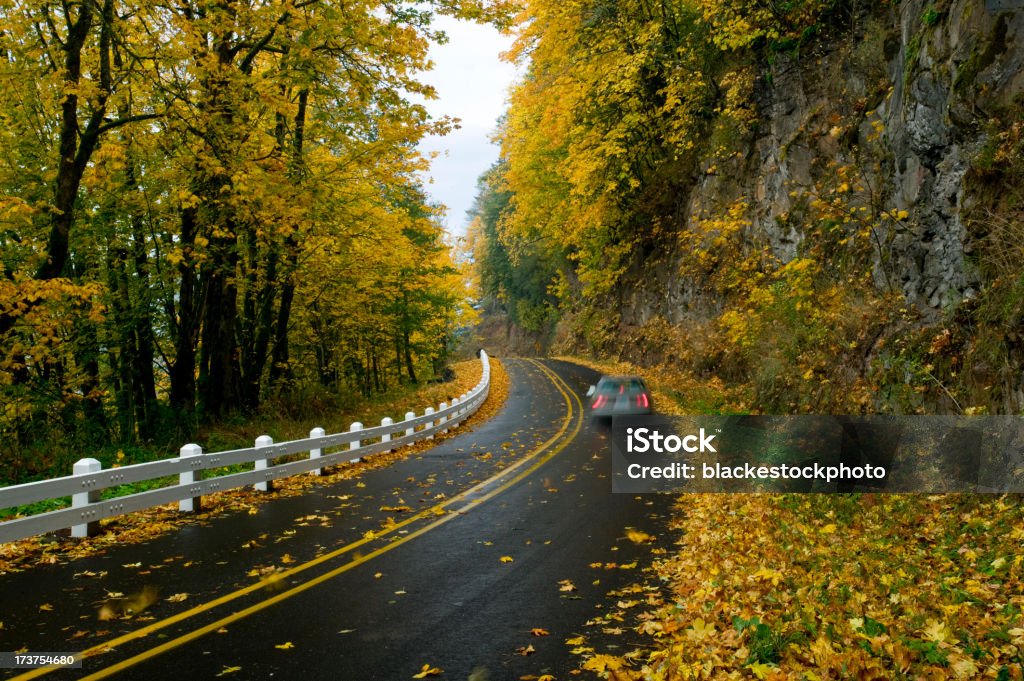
[620, 396]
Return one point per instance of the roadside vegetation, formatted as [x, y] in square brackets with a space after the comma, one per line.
[635, 213]
[144, 525]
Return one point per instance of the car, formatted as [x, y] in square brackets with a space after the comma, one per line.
[620, 396]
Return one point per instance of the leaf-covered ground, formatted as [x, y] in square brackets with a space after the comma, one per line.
[819, 587]
[144, 525]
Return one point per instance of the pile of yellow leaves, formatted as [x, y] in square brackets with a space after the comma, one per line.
[816, 587]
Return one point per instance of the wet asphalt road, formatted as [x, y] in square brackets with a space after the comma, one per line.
[428, 587]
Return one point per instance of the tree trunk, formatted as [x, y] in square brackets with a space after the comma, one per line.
[183, 370]
[279, 354]
[218, 373]
[143, 382]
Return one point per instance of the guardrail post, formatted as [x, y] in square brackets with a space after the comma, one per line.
[315, 453]
[442, 407]
[83, 499]
[354, 445]
[409, 416]
[430, 424]
[385, 422]
[263, 464]
[455, 403]
[193, 503]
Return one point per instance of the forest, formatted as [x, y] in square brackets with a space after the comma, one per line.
[809, 206]
[208, 205]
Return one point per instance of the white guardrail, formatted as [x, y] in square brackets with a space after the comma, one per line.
[88, 481]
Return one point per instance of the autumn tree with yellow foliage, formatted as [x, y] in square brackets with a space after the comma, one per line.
[206, 204]
[644, 164]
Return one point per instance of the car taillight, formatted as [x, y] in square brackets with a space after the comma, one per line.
[622, 388]
[599, 401]
[641, 401]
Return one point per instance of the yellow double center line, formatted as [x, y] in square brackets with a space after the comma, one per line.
[537, 458]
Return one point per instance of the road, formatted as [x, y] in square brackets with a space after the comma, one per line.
[449, 558]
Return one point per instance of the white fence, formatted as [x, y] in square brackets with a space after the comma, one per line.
[86, 484]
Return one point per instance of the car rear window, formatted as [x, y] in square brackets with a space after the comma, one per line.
[631, 386]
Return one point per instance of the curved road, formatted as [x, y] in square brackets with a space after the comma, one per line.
[449, 558]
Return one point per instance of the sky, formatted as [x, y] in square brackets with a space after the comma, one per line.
[472, 85]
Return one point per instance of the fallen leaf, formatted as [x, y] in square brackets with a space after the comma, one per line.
[965, 669]
[566, 585]
[177, 598]
[287, 645]
[602, 664]
[378, 575]
[525, 650]
[46, 607]
[286, 559]
[540, 632]
[577, 641]
[939, 632]
[229, 670]
[506, 559]
[637, 536]
[427, 670]
[760, 670]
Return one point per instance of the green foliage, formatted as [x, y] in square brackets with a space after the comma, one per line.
[514, 273]
[765, 644]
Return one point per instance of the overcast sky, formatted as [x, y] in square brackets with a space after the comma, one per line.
[472, 85]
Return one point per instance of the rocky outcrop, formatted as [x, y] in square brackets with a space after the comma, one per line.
[929, 74]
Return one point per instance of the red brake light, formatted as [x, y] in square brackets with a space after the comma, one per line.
[599, 401]
[641, 401]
